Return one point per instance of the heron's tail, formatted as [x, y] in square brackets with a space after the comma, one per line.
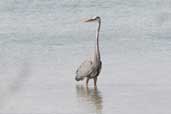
[79, 78]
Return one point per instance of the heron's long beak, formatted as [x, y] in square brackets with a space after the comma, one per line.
[89, 20]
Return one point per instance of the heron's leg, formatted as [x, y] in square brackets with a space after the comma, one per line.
[87, 82]
[95, 81]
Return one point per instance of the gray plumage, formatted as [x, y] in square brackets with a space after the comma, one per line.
[91, 68]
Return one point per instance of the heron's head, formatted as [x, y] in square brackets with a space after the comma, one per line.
[93, 19]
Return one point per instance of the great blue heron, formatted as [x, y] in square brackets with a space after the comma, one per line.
[91, 68]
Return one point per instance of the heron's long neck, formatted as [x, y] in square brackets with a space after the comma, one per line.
[97, 50]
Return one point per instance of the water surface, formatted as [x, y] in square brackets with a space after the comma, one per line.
[43, 42]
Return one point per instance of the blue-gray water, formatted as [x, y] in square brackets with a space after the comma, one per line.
[42, 42]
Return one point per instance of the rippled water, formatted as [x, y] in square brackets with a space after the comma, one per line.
[43, 42]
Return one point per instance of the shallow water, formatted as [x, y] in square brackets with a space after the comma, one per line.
[43, 42]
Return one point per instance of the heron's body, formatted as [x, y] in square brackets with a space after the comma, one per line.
[91, 68]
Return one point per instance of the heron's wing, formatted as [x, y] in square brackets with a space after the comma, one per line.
[85, 68]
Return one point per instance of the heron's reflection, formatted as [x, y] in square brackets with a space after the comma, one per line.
[90, 98]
